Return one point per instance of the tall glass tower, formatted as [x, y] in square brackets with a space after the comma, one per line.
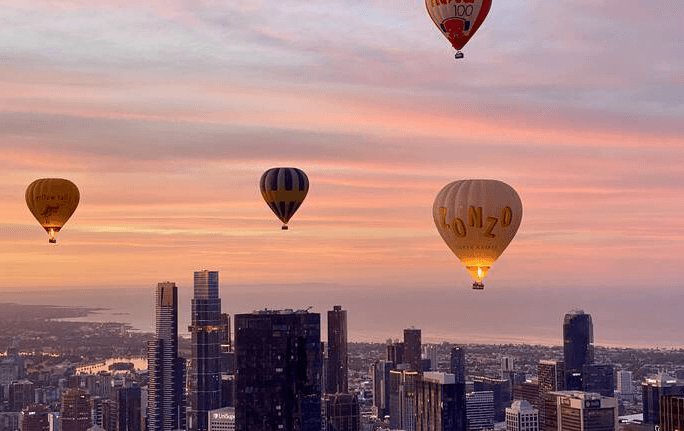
[578, 347]
[206, 331]
[337, 352]
[166, 395]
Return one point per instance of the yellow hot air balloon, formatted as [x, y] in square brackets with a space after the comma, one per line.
[477, 219]
[52, 201]
[284, 190]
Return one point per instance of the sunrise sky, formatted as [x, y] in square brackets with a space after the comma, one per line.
[165, 114]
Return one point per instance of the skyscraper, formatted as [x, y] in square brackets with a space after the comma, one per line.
[206, 331]
[500, 388]
[76, 412]
[458, 364]
[440, 403]
[35, 418]
[653, 389]
[480, 411]
[403, 399]
[166, 396]
[395, 352]
[380, 370]
[578, 346]
[342, 412]
[337, 351]
[278, 382]
[412, 348]
[583, 411]
[521, 416]
[599, 378]
[551, 379]
[624, 384]
[129, 403]
[672, 413]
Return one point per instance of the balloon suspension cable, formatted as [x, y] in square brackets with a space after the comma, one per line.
[459, 55]
[284, 227]
[478, 285]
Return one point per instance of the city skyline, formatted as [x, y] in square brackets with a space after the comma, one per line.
[166, 139]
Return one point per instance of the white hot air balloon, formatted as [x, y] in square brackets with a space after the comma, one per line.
[477, 219]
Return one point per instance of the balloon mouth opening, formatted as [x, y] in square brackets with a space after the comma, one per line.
[478, 272]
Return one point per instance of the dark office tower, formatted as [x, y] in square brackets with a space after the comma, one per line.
[129, 402]
[582, 411]
[440, 405]
[599, 379]
[655, 388]
[76, 413]
[412, 348]
[380, 371]
[458, 364]
[671, 413]
[342, 412]
[205, 330]
[578, 347]
[165, 397]
[278, 383]
[551, 379]
[21, 394]
[336, 371]
[35, 418]
[395, 352]
[528, 391]
[501, 390]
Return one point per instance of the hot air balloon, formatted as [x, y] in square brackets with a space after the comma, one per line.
[52, 201]
[284, 190]
[477, 219]
[458, 20]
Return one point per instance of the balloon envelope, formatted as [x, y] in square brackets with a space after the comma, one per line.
[477, 219]
[52, 201]
[458, 20]
[284, 190]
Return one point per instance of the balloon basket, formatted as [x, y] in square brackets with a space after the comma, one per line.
[52, 241]
[478, 286]
[284, 227]
[459, 55]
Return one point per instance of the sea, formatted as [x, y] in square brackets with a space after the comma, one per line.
[650, 317]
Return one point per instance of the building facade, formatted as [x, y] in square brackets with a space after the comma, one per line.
[551, 379]
[222, 419]
[337, 366]
[578, 346]
[671, 413]
[440, 403]
[341, 412]
[403, 399]
[412, 348]
[278, 379]
[380, 371]
[584, 411]
[599, 378]
[206, 333]
[480, 411]
[654, 388]
[521, 416]
[457, 363]
[76, 411]
[166, 394]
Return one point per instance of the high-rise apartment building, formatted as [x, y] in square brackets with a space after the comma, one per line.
[76, 411]
[278, 380]
[671, 413]
[457, 363]
[440, 403]
[336, 369]
[341, 412]
[578, 346]
[206, 332]
[403, 398]
[654, 388]
[480, 411]
[584, 411]
[521, 416]
[412, 348]
[166, 394]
